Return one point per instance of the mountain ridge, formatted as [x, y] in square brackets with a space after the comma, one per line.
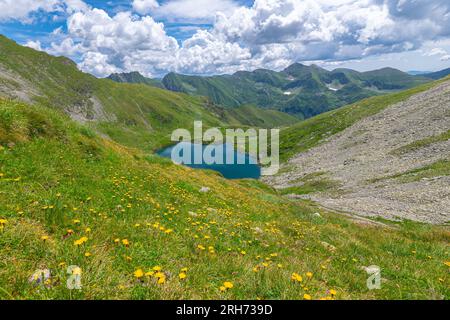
[300, 90]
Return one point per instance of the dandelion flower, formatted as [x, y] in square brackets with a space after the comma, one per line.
[228, 284]
[125, 242]
[182, 275]
[309, 275]
[157, 268]
[44, 238]
[80, 241]
[306, 296]
[139, 273]
[296, 277]
[447, 263]
[333, 292]
[223, 289]
[87, 254]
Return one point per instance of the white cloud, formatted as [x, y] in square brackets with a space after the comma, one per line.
[36, 45]
[435, 52]
[145, 6]
[196, 11]
[445, 58]
[120, 42]
[22, 9]
[270, 33]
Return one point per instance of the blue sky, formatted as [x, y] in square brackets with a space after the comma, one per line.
[222, 36]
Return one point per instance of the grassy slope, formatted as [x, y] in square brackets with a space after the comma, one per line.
[57, 176]
[309, 133]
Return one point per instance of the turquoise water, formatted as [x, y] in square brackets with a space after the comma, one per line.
[247, 170]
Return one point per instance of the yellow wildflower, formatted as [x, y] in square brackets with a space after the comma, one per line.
[157, 268]
[139, 273]
[447, 263]
[80, 241]
[296, 277]
[87, 254]
[333, 292]
[228, 284]
[125, 242]
[182, 275]
[309, 275]
[44, 238]
[306, 296]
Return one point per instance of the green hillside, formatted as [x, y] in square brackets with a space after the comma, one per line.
[303, 91]
[136, 226]
[135, 77]
[438, 75]
[136, 115]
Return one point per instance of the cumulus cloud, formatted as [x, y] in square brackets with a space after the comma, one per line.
[23, 10]
[445, 58]
[36, 45]
[270, 33]
[115, 43]
[145, 6]
[194, 11]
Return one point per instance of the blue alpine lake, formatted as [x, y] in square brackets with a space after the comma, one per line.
[245, 168]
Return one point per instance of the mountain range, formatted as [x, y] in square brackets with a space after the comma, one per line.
[300, 90]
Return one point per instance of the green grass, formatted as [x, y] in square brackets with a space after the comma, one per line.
[437, 169]
[315, 182]
[309, 133]
[419, 144]
[57, 176]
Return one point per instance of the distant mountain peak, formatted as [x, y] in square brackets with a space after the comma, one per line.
[135, 77]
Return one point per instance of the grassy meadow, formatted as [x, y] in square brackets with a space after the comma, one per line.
[138, 227]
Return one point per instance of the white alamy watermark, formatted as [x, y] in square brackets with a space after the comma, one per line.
[374, 280]
[192, 151]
